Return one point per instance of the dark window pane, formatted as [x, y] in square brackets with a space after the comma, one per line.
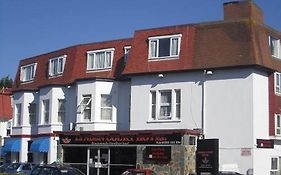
[164, 47]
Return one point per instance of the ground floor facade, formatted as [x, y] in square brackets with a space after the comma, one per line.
[102, 153]
[35, 149]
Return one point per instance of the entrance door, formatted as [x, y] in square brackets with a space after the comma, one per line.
[98, 161]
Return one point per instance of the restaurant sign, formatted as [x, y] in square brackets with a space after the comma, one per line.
[158, 153]
[134, 139]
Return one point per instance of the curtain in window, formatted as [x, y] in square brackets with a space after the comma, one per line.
[165, 108]
[86, 104]
[61, 111]
[91, 61]
[277, 80]
[18, 108]
[108, 60]
[153, 48]
[46, 111]
[100, 60]
[153, 105]
[60, 65]
[32, 113]
[174, 46]
[106, 107]
[178, 103]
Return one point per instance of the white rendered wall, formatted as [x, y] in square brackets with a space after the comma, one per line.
[236, 111]
[190, 86]
[24, 98]
[118, 91]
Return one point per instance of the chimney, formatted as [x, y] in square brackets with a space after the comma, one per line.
[245, 9]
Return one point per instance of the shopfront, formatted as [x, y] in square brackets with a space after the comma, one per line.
[111, 153]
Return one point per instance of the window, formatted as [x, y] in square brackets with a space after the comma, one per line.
[18, 114]
[61, 110]
[56, 65]
[153, 105]
[178, 103]
[165, 105]
[9, 127]
[274, 166]
[28, 72]
[278, 124]
[86, 105]
[126, 53]
[164, 46]
[100, 59]
[32, 113]
[46, 117]
[106, 107]
[277, 83]
[274, 45]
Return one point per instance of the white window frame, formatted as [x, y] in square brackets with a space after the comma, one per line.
[91, 62]
[178, 104]
[126, 53]
[56, 65]
[156, 39]
[272, 169]
[61, 113]
[87, 106]
[278, 124]
[156, 108]
[18, 112]
[32, 115]
[106, 107]
[277, 83]
[274, 43]
[23, 72]
[46, 111]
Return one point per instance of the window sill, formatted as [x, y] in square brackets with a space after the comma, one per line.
[276, 57]
[163, 58]
[50, 124]
[27, 81]
[96, 122]
[163, 121]
[98, 70]
[55, 76]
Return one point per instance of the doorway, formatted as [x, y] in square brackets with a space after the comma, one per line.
[98, 161]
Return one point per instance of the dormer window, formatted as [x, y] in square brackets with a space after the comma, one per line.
[277, 83]
[164, 46]
[27, 72]
[275, 48]
[100, 59]
[126, 53]
[277, 124]
[56, 65]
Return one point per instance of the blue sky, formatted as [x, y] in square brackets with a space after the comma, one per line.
[33, 27]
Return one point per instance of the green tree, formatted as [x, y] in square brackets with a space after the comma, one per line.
[6, 82]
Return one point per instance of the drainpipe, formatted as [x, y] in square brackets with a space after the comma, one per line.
[203, 115]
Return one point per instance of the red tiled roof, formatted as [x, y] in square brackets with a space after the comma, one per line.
[210, 45]
[240, 40]
[75, 66]
[5, 104]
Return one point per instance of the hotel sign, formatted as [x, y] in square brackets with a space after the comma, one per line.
[136, 139]
[265, 143]
[207, 157]
[158, 153]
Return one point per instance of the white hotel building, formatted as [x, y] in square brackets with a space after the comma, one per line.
[214, 80]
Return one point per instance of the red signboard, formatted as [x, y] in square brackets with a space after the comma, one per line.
[158, 153]
[155, 139]
[263, 143]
